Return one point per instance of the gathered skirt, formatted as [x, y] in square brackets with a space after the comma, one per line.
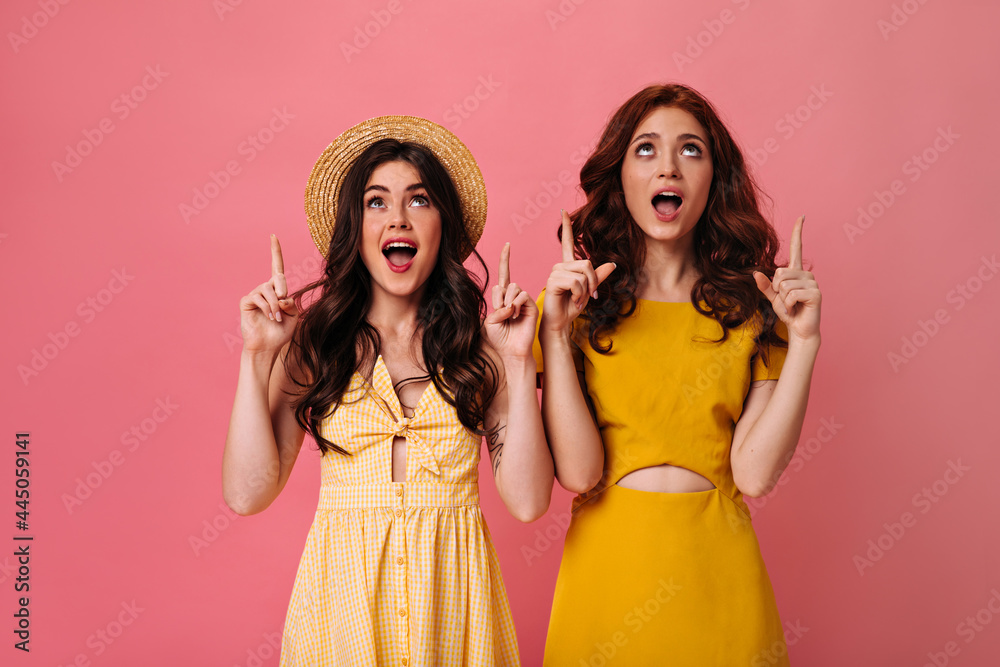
[665, 579]
[399, 574]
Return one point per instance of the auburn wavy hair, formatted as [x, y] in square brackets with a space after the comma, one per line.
[334, 339]
[731, 239]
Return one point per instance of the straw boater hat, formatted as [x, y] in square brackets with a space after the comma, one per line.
[328, 173]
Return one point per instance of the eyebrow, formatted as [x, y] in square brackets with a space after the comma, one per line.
[382, 188]
[654, 135]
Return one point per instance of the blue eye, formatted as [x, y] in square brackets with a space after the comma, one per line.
[644, 149]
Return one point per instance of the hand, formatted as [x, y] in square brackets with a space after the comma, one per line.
[793, 292]
[570, 285]
[510, 328]
[267, 316]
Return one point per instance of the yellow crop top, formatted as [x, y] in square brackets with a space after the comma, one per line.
[666, 394]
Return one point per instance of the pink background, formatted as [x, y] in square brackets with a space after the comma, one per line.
[533, 88]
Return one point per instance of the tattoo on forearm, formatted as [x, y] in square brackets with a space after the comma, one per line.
[495, 447]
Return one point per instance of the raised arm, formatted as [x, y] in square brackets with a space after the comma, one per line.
[577, 449]
[263, 439]
[519, 454]
[768, 431]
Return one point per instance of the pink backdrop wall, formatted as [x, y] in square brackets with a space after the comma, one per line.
[149, 151]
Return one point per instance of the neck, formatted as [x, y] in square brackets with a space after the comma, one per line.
[395, 317]
[669, 272]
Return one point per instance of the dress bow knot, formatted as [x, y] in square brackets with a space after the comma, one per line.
[402, 427]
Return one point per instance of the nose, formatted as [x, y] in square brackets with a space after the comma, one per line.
[398, 219]
[667, 167]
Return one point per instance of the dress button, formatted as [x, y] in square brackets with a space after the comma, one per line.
[399, 512]
[399, 490]
[402, 611]
[400, 560]
[404, 661]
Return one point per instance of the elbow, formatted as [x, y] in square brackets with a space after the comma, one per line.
[530, 506]
[579, 484]
[752, 491]
[755, 486]
[529, 512]
[242, 503]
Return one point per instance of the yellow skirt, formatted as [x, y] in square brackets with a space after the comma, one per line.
[672, 579]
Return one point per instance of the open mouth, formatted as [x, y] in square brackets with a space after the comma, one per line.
[399, 253]
[667, 203]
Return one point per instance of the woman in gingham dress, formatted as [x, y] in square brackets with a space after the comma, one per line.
[398, 567]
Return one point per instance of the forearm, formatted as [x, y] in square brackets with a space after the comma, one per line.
[250, 463]
[770, 443]
[573, 437]
[524, 464]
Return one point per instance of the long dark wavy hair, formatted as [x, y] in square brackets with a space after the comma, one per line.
[334, 339]
[731, 239]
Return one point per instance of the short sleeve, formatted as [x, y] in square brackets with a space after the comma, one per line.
[775, 358]
[536, 346]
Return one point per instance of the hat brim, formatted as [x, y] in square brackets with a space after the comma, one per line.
[328, 173]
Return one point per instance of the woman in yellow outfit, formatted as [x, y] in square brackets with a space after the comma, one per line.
[676, 376]
[396, 374]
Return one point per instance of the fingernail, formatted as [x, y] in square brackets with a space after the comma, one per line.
[594, 294]
[278, 315]
[271, 315]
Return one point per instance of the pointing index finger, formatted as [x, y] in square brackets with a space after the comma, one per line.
[795, 249]
[504, 275]
[277, 264]
[567, 238]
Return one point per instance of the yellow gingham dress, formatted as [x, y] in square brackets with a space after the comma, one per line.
[398, 573]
